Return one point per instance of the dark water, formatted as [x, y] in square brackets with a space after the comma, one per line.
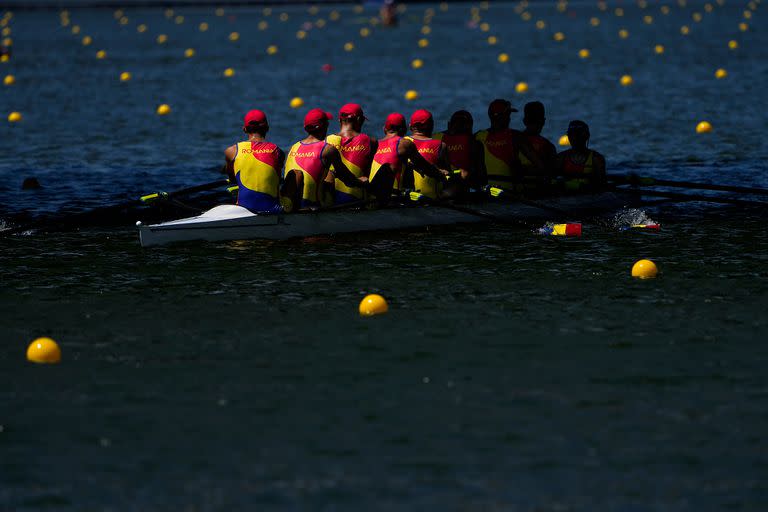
[513, 372]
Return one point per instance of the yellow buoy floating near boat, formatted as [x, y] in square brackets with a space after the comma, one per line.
[644, 269]
[163, 109]
[14, 117]
[411, 95]
[521, 88]
[626, 80]
[9, 80]
[101, 54]
[229, 72]
[125, 76]
[373, 304]
[272, 49]
[189, 53]
[733, 44]
[563, 141]
[503, 57]
[720, 73]
[704, 127]
[44, 351]
[297, 102]
[659, 49]
[584, 53]
[417, 63]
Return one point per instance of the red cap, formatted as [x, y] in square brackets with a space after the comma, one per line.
[255, 117]
[352, 110]
[394, 120]
[421, 117]
[499, 106]
[316, 117]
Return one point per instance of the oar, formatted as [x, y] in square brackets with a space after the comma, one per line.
[418, 197]
[703, 198]
[645, 181]
[106, 210]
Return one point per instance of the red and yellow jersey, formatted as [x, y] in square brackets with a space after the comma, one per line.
[387, 155]
[430, 150]
[257, 175]
[541, 146]
[500, 152]
[308, 158]
[459, 149]
[573, 169]
[356, 154]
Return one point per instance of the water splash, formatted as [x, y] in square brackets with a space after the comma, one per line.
[630, 217]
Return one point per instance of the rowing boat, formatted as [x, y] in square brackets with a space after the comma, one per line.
[232, 222]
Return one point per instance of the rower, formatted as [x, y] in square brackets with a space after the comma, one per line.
[464, 152]
[433, 150]
[534, 119]
[255, 166]
[356, 149]
[310, 160]
[500, 165]
[393, 151]
[583, 169]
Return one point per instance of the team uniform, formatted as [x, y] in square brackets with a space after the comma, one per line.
[355, 153]
[258, 176]
[500, 151]
[459, 148]
[307, 158]
[386, 154]
[429, 149]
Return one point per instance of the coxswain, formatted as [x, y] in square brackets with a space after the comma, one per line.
[464, 152]
[501, 166]
[433, 150]
[356, 149]
[309, 162]
[537, 178]
[583, 169]
[394, 150]
[255, 166]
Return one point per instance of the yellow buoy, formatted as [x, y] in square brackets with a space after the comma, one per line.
[485, 27]
[423, 42]
[14, 117]
[189, 53]
[503, 57]
[125, 76]
[7, 42]
[721, 73]
[75, 29]
[426, 30]
[5, 58]
[9, 80]
[124, 20]
[417, 63]
[644, 269]
[169, 13]
[301, 34]
[411, 95]
[202, 27]
[263, 25]
[659, 49]
[594, 22]
[272, 49]
[563, 141]
[559, 36]
[704, 127]
[179, 20]
[284, 16]
[101, 54]
[219, 12]
[373, 304]
[234, 36]
[365, 32]
[229, 72]
[743, 27]
[297, 102]
[733, 44]
[163, 109]
[162, 39]
[541, 25]
[492, 40]
[626, 80]
[584, 53]
[684, 30]
[349, 46]
[44, 351]
[521, 88]
[623, 33]
[87, 40]
[141, 28]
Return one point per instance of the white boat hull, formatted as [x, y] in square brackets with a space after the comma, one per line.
[231, 222]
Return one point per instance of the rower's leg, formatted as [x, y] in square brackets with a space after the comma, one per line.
[382, 184]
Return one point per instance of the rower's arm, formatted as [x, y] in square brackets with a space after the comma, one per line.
[598, 163]
[280, 163]
[332, 157]
[407, 150]
[374, 148]
[229, 167]
[481, 174]
[443, 162]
